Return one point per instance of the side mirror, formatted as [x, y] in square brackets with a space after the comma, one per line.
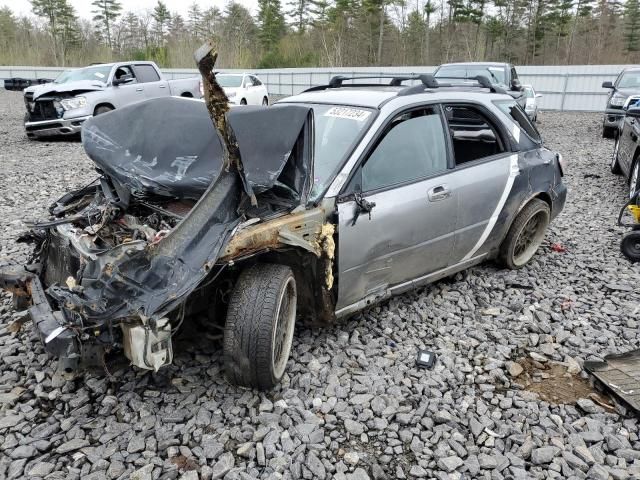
[516, 86]
[607, 85]
[538, 95]
[128, 78]
[633, 112]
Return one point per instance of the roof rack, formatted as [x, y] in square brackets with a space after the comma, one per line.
[426, 82]
[394, 81]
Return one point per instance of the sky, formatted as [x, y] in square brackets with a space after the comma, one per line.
[83, 7]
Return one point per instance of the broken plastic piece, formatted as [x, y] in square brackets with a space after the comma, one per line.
[558, 247]
[426, 359]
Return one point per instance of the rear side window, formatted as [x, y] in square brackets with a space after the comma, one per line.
[146, 73]
[512, 109]
[413, 147]
[255, 81]
[472, 134]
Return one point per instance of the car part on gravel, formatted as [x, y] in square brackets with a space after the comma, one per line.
[426, 359]
[620, 374]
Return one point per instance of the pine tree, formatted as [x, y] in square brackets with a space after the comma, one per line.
[194, 20]
[60, 18]
[300, 12]
[105, 14]
[271, 23]
[632, 25]
[161, 16]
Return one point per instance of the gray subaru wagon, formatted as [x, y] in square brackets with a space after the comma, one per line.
[339, 198]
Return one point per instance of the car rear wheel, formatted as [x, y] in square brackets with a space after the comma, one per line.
[265, 102]
[608, 132]
[243, 102]
[259, 329]
[615, 166]
[525, 235]
[634, 178]
[101, 110]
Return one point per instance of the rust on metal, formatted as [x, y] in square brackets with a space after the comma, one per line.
[300, 229]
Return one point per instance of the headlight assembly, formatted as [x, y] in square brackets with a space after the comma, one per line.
[617, 100]
[231, 94]
[73, 103]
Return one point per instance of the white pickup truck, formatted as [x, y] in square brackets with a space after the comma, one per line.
[61, 107]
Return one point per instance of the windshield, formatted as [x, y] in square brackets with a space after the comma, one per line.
[229, 80]
[528, 92]
[99, 73]
[494, 74]
[630, 80]
[337, 128]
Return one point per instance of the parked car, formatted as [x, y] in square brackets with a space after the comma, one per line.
[625, 159]
[243, 88]
[531, 106]
[626, 84]
[340, 197]
[503, 74]
[61, 107]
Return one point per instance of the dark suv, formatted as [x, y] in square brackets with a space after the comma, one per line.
[626, 85]
[503, 74]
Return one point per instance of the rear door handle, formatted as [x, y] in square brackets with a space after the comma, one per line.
[439, 193]
[163, 86]
[139, 89]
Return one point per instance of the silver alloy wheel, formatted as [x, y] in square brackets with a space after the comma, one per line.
[633, 183]
[614, 157]
[529, 238]
[283, 330]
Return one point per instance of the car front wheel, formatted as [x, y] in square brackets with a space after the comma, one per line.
[634, 178]
[615, 166]
[525, 235]
[259, 328]
[608, 132]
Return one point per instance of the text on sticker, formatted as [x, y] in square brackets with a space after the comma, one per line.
[347, 112]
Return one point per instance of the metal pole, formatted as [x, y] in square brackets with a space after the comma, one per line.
[564, 91]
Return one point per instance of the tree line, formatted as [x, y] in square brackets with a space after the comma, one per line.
[329, 33]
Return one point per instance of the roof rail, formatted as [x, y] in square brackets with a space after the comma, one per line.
[426, 82]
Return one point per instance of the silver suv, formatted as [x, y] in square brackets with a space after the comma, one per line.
[338, 198]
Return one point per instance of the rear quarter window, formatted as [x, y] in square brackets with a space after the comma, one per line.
[146, 73]
[518, 115]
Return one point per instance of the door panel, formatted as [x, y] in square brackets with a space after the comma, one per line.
[407, 236]
[483, 191]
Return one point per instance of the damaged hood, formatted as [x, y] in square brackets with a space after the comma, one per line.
[75, 87]
[169, 147]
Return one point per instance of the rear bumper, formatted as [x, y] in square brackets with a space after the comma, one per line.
[57, 339]
[558, 201]
[49, 128]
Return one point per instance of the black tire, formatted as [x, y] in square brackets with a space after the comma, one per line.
[614, 165]
[243, 101]
[630, 245]
[608, 132]
[634, 177]
[265, 102]
[525, 235]
[259, 329]
[102, 109]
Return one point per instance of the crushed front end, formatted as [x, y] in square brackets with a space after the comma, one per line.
[115, 265]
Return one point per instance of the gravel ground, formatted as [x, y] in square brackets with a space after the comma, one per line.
[352, 405]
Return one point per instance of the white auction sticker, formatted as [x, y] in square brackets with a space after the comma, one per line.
[348, 112]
